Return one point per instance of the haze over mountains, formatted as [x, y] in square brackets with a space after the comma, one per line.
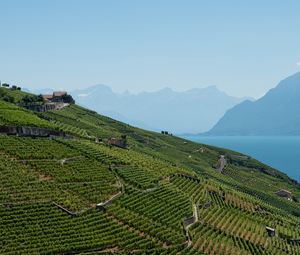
[276, 113]
[201, 109]
[192, 111]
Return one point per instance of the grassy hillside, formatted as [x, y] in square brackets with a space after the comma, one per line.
[14, 96]
[50, 189]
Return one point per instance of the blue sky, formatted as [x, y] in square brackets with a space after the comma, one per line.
[243, 47]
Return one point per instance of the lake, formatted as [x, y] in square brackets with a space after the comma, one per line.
[280, 152]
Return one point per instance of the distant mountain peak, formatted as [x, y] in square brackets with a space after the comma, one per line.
[276, 113]
[165, 109]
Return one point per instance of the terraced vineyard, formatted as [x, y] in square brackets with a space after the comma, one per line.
[160, 195]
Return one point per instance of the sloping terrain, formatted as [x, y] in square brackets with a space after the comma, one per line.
[160, 195]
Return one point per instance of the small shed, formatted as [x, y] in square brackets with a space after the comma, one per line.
[119, 142]
[101, 207]
[189, 220]
[284, 193]
[271, 231]
[207, 204]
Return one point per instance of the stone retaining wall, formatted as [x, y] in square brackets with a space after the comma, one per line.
[39, 107]
[30, 131]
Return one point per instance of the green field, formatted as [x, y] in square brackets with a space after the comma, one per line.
[50, 189]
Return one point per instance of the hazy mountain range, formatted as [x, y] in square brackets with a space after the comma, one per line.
[276, 113]
[191, 111]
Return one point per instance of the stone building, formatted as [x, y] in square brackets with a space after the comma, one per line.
[285, 194]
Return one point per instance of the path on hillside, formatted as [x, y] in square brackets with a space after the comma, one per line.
[221, 164]
[187, 227]
[113, 197]
[61, 161]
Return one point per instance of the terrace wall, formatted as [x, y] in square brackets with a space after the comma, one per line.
[30, 131]
[39, 107]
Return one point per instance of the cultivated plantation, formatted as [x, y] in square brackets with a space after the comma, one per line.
[65, 188]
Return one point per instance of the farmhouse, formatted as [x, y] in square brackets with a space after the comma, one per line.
[48, 97]
[59, 97]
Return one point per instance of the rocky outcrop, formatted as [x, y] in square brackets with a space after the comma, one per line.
[39, 107]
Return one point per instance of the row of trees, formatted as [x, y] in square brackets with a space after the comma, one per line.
[14, 87]
[32, 99]
[5, 96]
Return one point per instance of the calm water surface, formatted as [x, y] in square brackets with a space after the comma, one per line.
[280, 152]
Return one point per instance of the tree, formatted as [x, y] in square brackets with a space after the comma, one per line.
[8, 98]
[40, 98]
[68, 99]
[27, 99]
